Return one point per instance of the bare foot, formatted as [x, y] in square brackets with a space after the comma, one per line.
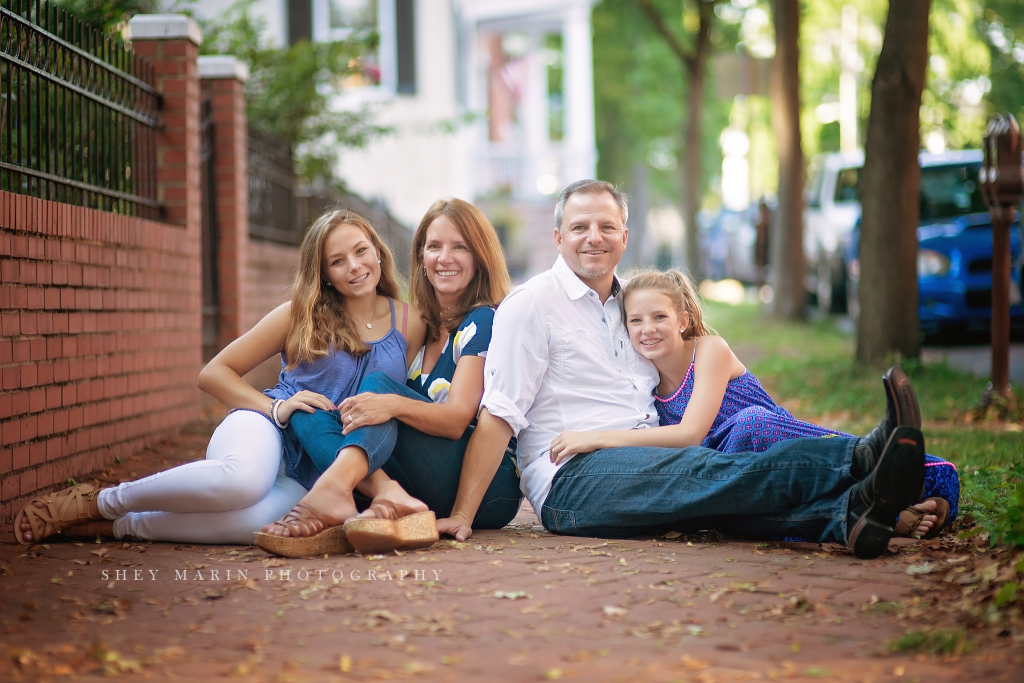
[393, 491]
[926, 522]
[326, 500]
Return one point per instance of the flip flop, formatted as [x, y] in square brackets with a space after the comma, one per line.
[396, 527]
[329, 540]
[59, 511]
[910, 518]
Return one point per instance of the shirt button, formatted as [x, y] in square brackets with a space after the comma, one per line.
[616, 353]
[603, 320]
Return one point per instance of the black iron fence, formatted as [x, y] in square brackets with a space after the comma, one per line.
[280, 209]
[78, 112]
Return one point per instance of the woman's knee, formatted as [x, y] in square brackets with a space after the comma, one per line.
[315, 423]
[378, 383]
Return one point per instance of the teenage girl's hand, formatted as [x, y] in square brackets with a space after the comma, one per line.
[568, 444]
[306, 401]
[366, 409]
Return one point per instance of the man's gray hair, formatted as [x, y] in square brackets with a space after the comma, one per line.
[591, 187]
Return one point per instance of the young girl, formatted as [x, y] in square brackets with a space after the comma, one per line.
[341, 324]
[707, 397]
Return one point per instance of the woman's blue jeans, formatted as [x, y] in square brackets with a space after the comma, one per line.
[795, 488]
[428, 467]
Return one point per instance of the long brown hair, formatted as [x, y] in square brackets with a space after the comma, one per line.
[319, 319]
[679, 289]
[489, 286]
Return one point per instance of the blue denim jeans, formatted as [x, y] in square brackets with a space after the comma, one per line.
[428, 467]
[795, 488]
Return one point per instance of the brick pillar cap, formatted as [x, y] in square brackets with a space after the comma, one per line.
[223, 66]
[164, 27]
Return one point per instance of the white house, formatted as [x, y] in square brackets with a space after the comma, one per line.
[491, 101]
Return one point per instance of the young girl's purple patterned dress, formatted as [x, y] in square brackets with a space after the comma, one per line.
[749, 421]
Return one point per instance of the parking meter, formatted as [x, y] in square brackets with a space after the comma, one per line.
[1002, 186]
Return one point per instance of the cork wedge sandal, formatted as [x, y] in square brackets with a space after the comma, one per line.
[328, 540]
[395, 527]
[50, 514]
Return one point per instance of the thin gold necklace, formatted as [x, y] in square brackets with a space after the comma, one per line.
[369, 325]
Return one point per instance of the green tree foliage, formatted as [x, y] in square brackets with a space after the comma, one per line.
[1001, 25]
[107, 15]
[290, 90]
[639, 94]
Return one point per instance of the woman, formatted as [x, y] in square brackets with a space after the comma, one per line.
[418, 431]
[707, 397]
[341, 324]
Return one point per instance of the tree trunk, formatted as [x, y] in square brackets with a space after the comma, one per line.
[890, 189]
[787, 251]
[692, 160]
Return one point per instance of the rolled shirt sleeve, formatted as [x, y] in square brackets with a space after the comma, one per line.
[516, 359]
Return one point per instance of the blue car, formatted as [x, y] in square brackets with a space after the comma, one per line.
[954, 258]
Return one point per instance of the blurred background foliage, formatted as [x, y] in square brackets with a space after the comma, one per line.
[976, 67]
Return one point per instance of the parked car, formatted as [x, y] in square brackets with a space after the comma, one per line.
[955, 242]
[728, 241]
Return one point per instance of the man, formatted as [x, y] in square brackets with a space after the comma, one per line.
[560, 359]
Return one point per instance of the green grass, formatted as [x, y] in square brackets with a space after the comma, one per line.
[809, 368]
[937, 642]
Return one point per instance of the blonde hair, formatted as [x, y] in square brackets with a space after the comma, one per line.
[319, 319]
[679, 288]
[490, 284]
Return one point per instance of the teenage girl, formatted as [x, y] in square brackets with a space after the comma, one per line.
[341, 324]
[707, 397]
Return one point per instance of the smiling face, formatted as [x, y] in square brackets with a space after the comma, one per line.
[592, 238]
[448, 261]
[350, 262]
[654, 324]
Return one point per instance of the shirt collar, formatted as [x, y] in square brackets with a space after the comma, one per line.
[573, 285]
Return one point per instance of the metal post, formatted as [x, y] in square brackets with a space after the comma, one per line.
[1002, 185]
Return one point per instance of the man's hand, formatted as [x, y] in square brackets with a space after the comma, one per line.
[365, 409]
[568, 444]
[457, 526]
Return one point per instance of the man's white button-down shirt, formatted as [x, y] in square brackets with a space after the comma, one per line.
[560, 360]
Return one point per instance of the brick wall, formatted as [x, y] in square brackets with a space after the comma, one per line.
[99, 340]
[269, 271]
[100, 327]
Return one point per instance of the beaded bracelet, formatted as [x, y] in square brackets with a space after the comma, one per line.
[273, 413]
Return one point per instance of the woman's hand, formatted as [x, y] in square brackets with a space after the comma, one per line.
[306, 401]
[457, 526]
[568, 444]
[366, 409]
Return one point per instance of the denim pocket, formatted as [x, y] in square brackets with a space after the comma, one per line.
[559, 521]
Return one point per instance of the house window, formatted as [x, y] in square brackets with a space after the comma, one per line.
[344, 19]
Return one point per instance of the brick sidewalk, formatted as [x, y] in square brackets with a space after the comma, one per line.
[518, 604]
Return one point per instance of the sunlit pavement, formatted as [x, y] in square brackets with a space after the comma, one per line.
[517, 604]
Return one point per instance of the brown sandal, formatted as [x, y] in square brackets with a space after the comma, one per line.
[59, 510]
[90, 530]
[911, 518]
[396, 527]
[328, 539]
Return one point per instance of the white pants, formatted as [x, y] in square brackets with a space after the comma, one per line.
[222, 499]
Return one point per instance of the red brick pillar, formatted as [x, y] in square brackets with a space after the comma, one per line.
[171, 42]
[222, 80]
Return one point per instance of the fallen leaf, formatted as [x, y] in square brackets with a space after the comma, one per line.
[512, 596]
[612, 611]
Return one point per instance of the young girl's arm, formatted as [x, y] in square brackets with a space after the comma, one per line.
[222, 376]
[714, 366]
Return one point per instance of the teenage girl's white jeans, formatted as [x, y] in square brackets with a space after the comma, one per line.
[222, 499]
